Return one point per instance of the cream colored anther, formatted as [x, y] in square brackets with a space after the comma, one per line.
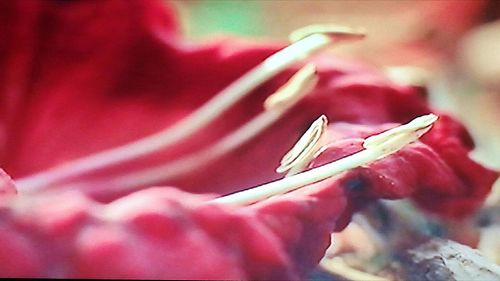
[395, 138]
[416, 124]
[306, 148]
[333, 31]
[294, 90]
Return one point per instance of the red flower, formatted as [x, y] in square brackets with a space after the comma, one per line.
[81, 77]
[98, 81]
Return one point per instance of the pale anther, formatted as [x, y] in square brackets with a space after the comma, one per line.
[293, 90]
[336, 32]
[415, 125]
[306, 148]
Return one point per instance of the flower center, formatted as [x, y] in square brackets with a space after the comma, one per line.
[376, 147]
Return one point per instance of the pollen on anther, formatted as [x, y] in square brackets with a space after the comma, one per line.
[306, 148]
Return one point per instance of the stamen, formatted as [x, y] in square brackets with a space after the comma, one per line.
[337, 31]
[416, 125]
[385, 145]
[190, 124]
[296, 88]
[306, 148]
[227, 144]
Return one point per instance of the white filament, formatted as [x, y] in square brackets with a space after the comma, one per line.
[185, 127]
[385, 145]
